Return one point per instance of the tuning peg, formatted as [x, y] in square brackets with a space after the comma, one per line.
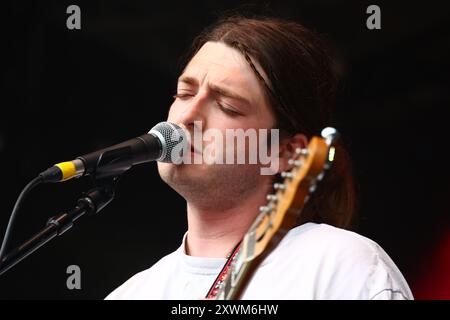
[312, 187]
[287, 174]
[272, 197]
[320, 176]
[296, 163]
[264, 209]
[330, 134]
[279, 186]
[301, 151]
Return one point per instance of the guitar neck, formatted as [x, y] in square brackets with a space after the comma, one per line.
[235, 282]
[244, 266]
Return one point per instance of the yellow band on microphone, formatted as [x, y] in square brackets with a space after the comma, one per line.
[68, 169]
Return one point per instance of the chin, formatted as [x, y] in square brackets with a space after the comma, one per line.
[182, 173]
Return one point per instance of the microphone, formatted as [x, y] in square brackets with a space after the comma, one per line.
[165, 142]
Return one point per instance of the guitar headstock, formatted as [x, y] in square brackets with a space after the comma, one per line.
[284, 206]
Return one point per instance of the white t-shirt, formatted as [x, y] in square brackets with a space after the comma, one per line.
[313, 261]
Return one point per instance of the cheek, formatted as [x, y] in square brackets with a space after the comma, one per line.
[245, 123]
[173, 112]
[218, 120]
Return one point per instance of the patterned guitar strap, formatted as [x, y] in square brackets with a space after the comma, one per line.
[212, 293]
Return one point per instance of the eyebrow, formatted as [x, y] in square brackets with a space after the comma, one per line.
[215, 88]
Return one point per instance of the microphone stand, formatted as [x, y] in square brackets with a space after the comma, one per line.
[89, 203]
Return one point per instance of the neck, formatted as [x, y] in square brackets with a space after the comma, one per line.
[214, 232]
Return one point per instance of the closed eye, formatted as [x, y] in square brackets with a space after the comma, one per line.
[182, 96]
[228, 110]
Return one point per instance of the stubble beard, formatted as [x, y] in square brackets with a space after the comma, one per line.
[212, 187]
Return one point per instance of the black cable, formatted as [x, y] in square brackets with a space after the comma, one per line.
[33, 183]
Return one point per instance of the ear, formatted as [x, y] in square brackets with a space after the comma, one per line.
[288, 145]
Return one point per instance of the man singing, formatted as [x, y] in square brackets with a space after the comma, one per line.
[263, 73]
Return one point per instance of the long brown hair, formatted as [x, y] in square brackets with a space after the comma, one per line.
[302, 91]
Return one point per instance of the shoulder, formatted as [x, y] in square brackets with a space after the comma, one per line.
[323, 239]
[137, 287]
[329, 240]
[352, 265]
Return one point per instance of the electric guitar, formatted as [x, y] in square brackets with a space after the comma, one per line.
[278, 216]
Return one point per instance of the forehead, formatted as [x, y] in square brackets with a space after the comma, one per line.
[220, 64]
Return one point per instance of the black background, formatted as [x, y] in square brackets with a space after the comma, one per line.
[68, 92]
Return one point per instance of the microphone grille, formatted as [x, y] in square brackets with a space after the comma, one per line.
[173, 140]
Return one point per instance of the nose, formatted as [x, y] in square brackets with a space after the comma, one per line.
[188, 112]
